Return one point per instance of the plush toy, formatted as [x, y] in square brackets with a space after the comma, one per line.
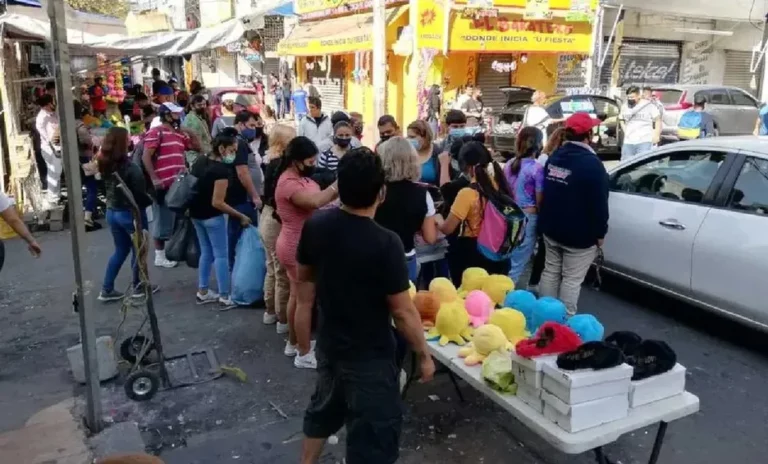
[411, 290]
[550, 338]
[485, 340]
[523, 301]
[479, 307]
[588, 328]
[444, 289]
[428, 304]
[497, 286]
[451, 324]
[511, 322]
[472, 279]
[548, 309]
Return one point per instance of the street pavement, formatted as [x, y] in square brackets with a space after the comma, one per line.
[259, 421]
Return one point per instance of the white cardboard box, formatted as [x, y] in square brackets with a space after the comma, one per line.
[573, 387]
[578, 417]
[529, 370]
[530, 396]
[658, 387]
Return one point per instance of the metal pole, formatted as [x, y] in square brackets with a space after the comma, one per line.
[760, 74]
[379, 60]
[616, 80]
[65, 104]
[592, 78]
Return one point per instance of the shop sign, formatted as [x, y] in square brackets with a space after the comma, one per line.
[325, 46]
[477, 13]
[316, 9]
[509, 34]
[429, 28]
[480, 4]
[537, 10]
[648, 70]
[550, 4]
[580, 10]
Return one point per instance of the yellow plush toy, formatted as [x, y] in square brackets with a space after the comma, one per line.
[472, 279]
[497, 286]
[486, 339]
[451, 324]
[444, 289]
[511, 322]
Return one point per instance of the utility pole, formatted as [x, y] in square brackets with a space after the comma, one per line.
[71, 160]
[379, 59]
[760, 74]
[618, 42]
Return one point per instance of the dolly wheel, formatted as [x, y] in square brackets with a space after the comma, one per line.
[141, 385]
[131, 348]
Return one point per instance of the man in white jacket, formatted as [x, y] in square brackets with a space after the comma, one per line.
[317, 126]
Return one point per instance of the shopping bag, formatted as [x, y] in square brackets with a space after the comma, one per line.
[193, 250]
[176, 247]
[250, 268]
[181, 193]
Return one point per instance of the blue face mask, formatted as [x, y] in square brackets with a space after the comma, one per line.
[415, 144]
[458, 132]
[248, 133]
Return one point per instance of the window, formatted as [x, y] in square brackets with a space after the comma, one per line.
[741, 98]
[717, 97]
[668, 96]
[606, 107]
[751, 190]
[682, 175]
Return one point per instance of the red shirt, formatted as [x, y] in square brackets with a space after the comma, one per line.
[97, 98]
[168, 159]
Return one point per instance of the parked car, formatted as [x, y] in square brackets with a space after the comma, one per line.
[734, 110]
[510, 118]
[690, 219]
[244, 97]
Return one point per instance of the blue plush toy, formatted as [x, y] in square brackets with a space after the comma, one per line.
[548, 309]
[587, 327]
[523, 301]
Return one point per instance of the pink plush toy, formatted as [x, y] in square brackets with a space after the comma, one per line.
[479, 306]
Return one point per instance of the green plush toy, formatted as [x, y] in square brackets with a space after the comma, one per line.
[497, 372]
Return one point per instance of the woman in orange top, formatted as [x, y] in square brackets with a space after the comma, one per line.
[466, 213]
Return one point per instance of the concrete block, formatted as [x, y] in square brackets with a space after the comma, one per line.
[120, 438]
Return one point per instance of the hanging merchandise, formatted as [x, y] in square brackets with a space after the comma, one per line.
[427, 55]
[504, 67]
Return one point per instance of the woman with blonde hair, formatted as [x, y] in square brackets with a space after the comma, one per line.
[276, 284]
[408, 207]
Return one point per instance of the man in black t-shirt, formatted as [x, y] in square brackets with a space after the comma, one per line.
[358, 375]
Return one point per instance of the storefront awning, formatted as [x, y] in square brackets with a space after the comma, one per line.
[336, 36]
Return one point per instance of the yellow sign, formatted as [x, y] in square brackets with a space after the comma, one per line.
[508, 33]
[430, 24]
[316, 9]
[325, 46]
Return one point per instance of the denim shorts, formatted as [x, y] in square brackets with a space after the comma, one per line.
[163, 220]
[364, 396]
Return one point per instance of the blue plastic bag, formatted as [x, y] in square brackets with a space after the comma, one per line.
[250, 268]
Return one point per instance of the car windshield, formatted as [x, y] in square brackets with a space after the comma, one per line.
[246, 99]
[668, 96]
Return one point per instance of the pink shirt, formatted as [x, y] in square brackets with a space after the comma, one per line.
[169, 152]
[291, 216]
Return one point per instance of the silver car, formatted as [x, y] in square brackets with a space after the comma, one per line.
[734, 110]
[690, 219]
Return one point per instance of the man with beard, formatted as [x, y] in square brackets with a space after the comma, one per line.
[197, 122]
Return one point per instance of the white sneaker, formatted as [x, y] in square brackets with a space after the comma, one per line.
[403, 379]
[269, 319]
[290, 350]
[307, 361]
[225, 304]
[208, 297]
[281, 328]
[162, 261]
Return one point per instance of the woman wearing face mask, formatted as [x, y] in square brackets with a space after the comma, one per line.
[296, 197]
[197, 123]
[209, 213]
[227, 118]
[342, 138]
[435, 166]
[525, 178]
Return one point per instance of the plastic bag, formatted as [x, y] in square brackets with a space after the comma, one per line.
[193, 250]
[176, 247]
[497, 372]
[250, 268]
[181, 193]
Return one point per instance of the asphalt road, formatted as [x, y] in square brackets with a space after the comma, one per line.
[260, 421]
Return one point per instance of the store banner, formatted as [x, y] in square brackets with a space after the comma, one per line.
[548, 4]
[429, 28]
[511, 33]
[537, 10]
[326, 46]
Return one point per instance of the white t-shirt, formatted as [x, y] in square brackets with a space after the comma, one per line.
[537, 116]
[460, 100]
[6, 202]
[638, 122]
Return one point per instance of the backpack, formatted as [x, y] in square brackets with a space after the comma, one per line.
[503, 226]
[689, 126]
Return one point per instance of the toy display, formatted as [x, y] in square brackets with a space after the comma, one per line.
[511, 322]
[485, 340]
[591, 355]
[497, 372]
[523, 301]
[444, 289]
[587, 327]
[548, 309]
[472, 279]
[451, 324]
[479, 307]
[551, 338]
[427, 304]
[497, 286]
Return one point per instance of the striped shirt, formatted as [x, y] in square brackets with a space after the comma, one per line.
[169, 146]
[328, 160]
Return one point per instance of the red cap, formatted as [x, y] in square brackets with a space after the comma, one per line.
[581, 123]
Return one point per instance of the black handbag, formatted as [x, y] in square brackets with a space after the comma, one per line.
[181, 193]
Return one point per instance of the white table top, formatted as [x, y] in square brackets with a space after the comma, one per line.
[666, 410]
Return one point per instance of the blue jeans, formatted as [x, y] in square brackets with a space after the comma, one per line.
[279, 106]
[120, 222]
[91, 187]
[522, 254]
[235, 229]
[212, 235]
[631, 150]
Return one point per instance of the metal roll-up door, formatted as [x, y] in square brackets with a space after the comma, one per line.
[490, 80]
[271, 65]
[644, 62]
[329, 81]
[737, 72]
[571, 73]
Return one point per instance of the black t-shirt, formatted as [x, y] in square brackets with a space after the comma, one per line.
[236, 194]
[403, 211]
[356, 265]
[207, 172]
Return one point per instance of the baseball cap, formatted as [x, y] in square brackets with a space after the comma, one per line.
[581, 123]
[165, 90]
[170, 107]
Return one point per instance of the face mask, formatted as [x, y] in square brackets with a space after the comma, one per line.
[415, 144]
[631, 103]
[384, 137]
[248, 133]
[307, 171]
[175, 123]
[200, 111]
[342, 142]
[229, 158]
[457, 132]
